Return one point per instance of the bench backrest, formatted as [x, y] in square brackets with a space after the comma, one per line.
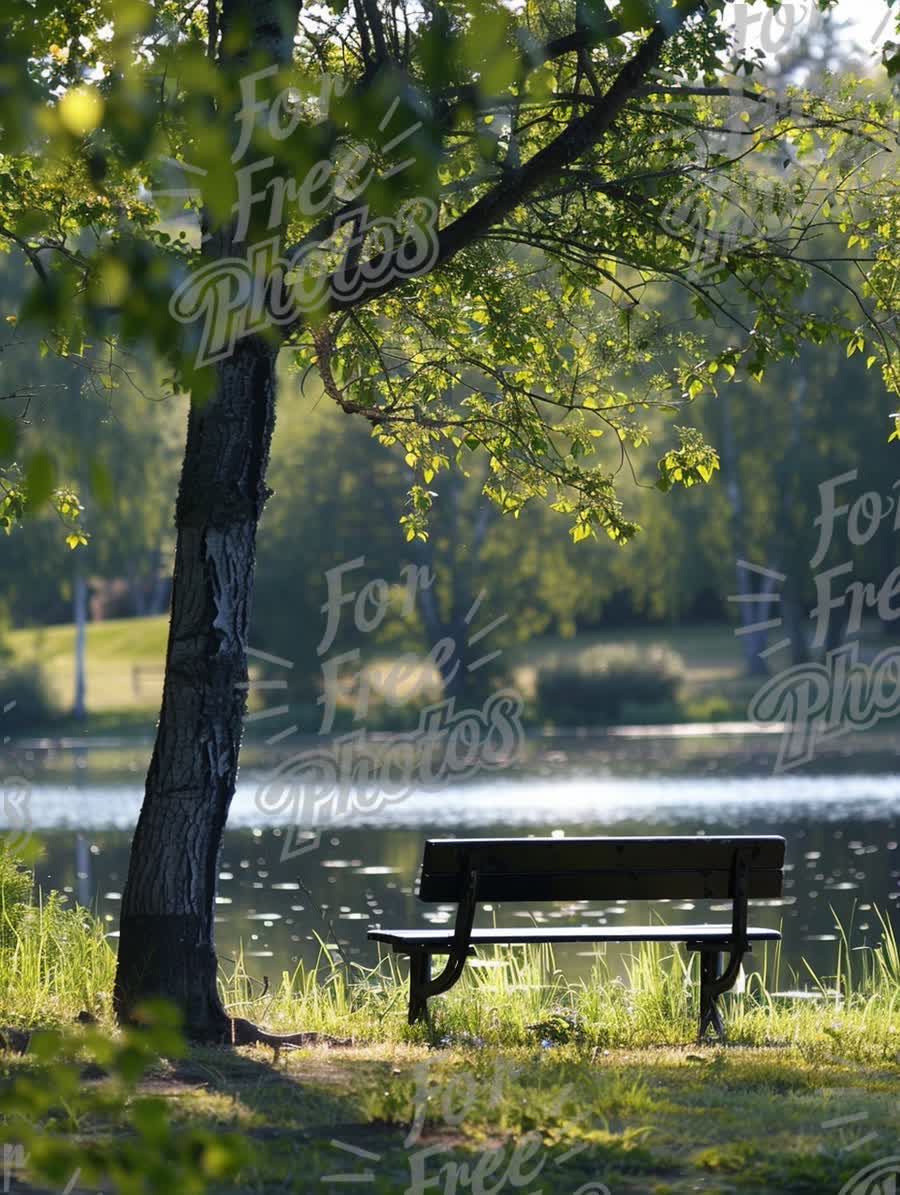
[539, 869]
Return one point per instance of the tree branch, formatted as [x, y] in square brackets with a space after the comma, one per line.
[516, 186]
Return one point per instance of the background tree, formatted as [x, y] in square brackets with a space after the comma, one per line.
[595, 138]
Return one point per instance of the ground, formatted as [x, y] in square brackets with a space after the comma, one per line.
[666, 1120]
[526, 1081]
[403, 1118]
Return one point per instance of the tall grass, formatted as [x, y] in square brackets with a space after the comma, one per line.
[519, 996]
[56, 961]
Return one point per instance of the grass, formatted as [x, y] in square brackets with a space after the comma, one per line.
[125, 659]
[56, 963]
[518, 998]
[115, 648]
[633, 1121]
[399, 1118]
[525, 1075]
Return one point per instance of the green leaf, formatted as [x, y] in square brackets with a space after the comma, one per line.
[636, 14]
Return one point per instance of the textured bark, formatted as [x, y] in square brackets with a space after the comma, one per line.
[166, 945]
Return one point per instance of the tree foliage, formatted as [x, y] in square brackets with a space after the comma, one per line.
[582, 163]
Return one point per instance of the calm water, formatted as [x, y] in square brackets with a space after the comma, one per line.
[839, 815]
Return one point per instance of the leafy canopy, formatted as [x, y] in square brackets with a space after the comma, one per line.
[581, 161]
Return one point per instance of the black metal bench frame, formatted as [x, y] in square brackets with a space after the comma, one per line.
[711, 942]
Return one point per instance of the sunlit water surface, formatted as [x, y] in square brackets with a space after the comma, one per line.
[839, 816]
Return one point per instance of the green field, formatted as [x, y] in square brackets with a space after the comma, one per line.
[125, 660]
[599, 1088]
[117, 652]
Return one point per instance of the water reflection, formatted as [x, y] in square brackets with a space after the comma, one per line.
[840, 822]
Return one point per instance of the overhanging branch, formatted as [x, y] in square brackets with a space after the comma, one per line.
[516, 186]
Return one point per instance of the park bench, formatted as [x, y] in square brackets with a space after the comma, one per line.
[469, 871]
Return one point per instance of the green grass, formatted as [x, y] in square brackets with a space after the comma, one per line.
[518, 998]
[802, 1100]
[115, 648]
[661, 1121]
[123, 701]
[524, 1072]
[56, 962]
[118, 700]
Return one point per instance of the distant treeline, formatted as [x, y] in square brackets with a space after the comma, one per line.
[339, 495]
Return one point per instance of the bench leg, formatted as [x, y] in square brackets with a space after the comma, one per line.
[710, 1017]
[419, 978]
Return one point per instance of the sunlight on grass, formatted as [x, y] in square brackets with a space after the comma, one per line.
[57, 962]
[520, 997]
[115, 649]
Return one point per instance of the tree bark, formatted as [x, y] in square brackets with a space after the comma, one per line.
[79, 615]
[166, 946]
[166, 941]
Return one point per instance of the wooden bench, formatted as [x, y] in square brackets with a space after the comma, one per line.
[472, 870]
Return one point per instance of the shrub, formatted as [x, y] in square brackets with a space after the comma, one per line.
[599, 684]
[23, 690]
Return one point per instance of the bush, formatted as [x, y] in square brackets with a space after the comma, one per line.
[22, 688]
[715, 709]
[601, 684]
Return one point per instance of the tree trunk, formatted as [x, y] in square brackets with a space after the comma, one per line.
[166, 946]
[79, 615]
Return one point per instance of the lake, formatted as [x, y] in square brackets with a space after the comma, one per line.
[839, 815]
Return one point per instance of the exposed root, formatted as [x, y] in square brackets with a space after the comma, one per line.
[238, 1032]
[245, 1033]
[16, 1041]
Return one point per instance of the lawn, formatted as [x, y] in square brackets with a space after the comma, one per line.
[663, 1121]
[125, 659]
[124, 662]
[405, 1117]
[525, 1082]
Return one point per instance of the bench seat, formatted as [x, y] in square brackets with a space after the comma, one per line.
[434, 939]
